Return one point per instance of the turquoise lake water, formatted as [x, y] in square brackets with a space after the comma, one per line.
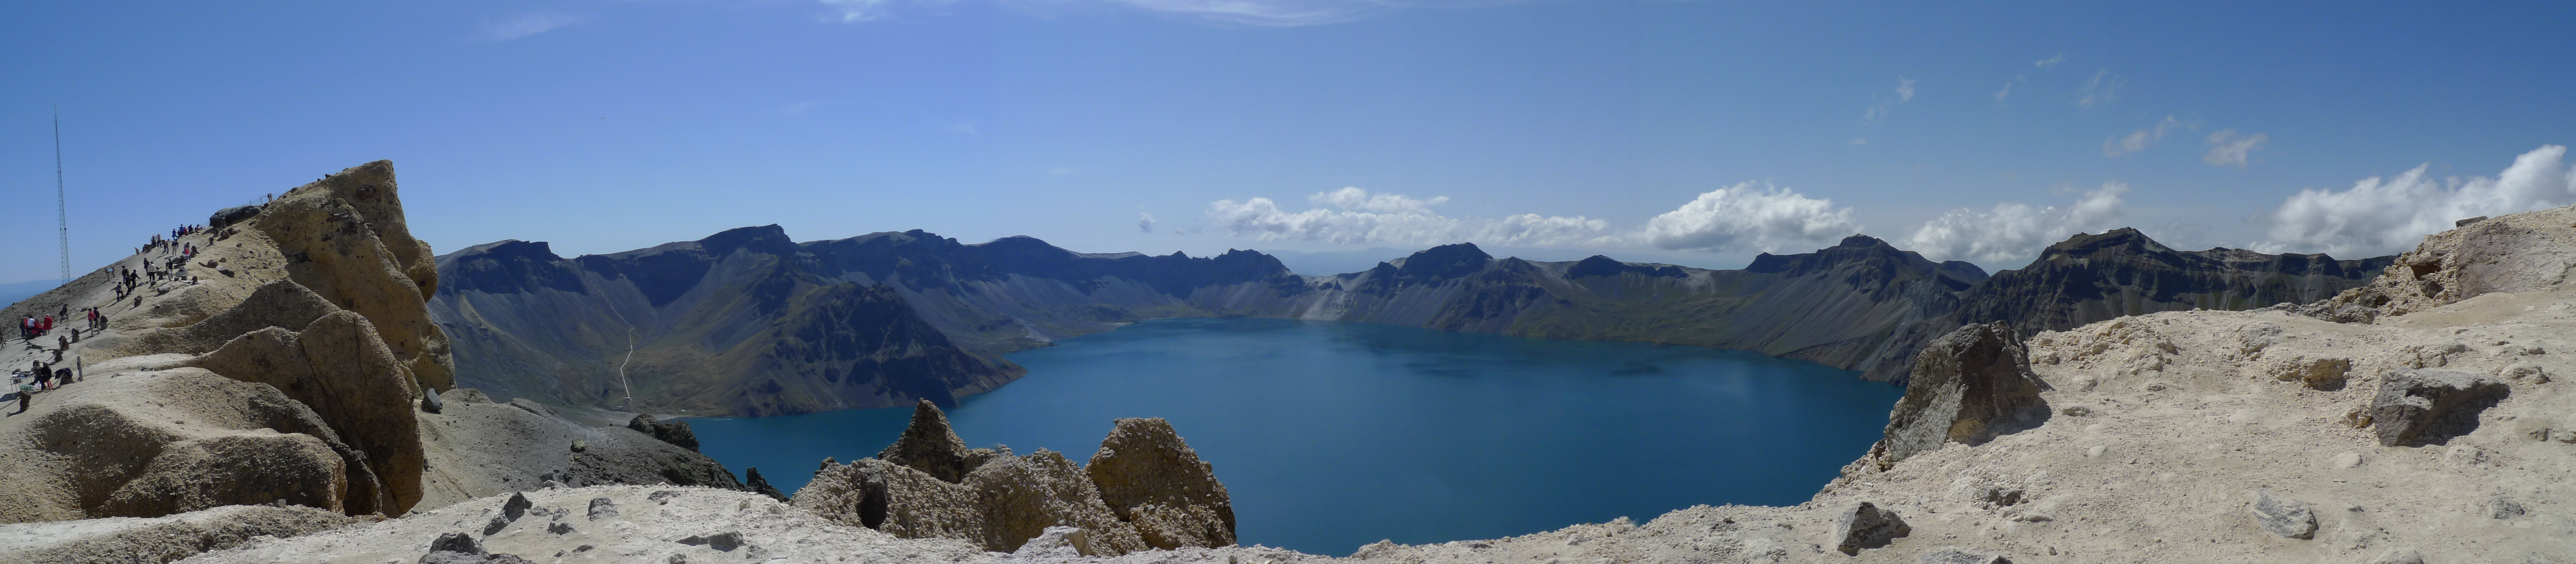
[1333, 435]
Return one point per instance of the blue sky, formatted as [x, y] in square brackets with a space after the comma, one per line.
[1691, 132]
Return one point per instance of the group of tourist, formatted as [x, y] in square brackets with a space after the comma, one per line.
[47, 373]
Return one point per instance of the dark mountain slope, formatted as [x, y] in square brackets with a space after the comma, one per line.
[2091, 278]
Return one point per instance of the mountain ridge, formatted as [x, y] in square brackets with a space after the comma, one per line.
[691, 307]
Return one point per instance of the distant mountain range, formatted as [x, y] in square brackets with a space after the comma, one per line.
[748, 322]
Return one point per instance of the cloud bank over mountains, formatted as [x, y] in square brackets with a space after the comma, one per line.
[2377, 216]
[2380, 216]
[2014, 231]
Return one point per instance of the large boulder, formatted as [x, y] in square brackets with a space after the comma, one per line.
[2420, 407]
[343, 370]
[1865, 525]
[1155, 482]
[344, 237]
[1967, 387]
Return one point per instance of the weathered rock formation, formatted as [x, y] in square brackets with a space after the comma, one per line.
[1157, 483]
[290, 369]
[1966, 387]
[148, 444]
[1158, 494]
[340, 367]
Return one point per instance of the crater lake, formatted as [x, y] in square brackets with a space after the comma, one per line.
[1332, 435]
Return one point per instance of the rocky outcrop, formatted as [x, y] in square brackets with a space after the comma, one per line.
[1966, 387]
[1155, 482]
[2420, 407]
[1159, 495]
[675, 432]
[339, 365]
[478, 448]
[2524, 252]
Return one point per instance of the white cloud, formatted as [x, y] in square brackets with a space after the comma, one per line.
[1145, 222]
[2383, 216]
[2103, 88]
[2051, 61]
[525, 25]
[1356, 216]
[2013, 231]
[1878, 110]
[1356, 199]
[2007, 91]
[2141, 139]
[2225, 148]
[1858, 142]
[1744, 217]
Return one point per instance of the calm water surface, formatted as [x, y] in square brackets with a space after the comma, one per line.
[1333, 435]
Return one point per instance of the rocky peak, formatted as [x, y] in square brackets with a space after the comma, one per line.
[1445, 261]
[929, 445]
[507, 266]
[766, 239]
[1597, 265]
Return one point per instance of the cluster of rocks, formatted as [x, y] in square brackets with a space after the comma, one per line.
[1144, 489]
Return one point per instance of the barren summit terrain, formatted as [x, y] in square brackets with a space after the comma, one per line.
[2423, 417]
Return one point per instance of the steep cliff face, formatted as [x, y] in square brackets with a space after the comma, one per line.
[747, 322]
[2092, 278]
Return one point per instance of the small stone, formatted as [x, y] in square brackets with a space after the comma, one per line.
[602, 507]
[456, 542]
[677, 559]
[2283, 516]
[2347, 460]
[2096, 451]
[1954, 555]
[663, 497]
[559, 527]
[2076, 410]
[726, 541]
[498, 522]
[2504, 508]
[1865, 525]
[429, 401]
[578, 446]
[2566, 436]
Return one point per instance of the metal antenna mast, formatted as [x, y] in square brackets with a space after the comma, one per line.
[62, 220]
